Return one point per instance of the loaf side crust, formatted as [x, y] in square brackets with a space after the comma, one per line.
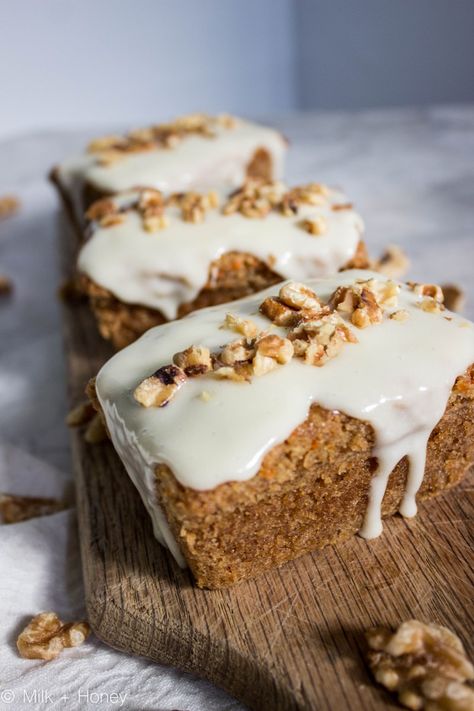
[311, 491]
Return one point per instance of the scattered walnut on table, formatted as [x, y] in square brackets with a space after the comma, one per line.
[15, 509]
[425, 664]
[46, 636]
[9, 205]
[6, 285]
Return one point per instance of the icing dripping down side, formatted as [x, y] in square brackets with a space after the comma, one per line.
[398, 377]
[169, 267]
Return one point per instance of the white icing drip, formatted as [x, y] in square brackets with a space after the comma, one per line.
[141, 472]
[398, 378]
[169, 267]
[196, 163]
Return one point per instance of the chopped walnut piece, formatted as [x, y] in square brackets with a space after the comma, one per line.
[426, 665]
[110, 149]
[113, 219]
[236, 352]
[194, 207]
[46, 636]
[153, 223]
[6, 285]
[339, 207]
[238, 373]
[81, 414]
[320, 340]
[255, 199]
[151, 206]
[9, 204]
[96, 432]
[100, 209]
[227, 121]
[316, 226]
[295, 302]
[159, 388]
[454, 297]
[195, 360]
[279, 313]
[430, 305]
[105, 143]
[393, 263]
[246, 327]
[432, 291]
[386, 291]
[271, 351]
[359, 302]
[14, 509]
[299, 296]
[400, 315]
[311, 194]
[273, 346]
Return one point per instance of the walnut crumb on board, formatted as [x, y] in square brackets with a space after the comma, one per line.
[81, 414]
[96, 432]
[46, 636]
[425, 664]
[9, 205]
[15, 509]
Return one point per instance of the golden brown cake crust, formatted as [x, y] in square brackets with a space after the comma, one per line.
[232, 276]
[311, 491]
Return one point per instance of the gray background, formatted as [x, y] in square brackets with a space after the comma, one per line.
[77, 62]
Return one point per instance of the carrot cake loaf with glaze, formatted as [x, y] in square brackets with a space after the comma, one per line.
[149, 258]
[193, 152]
[301, 416]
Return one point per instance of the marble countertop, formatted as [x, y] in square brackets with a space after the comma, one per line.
[410, 173]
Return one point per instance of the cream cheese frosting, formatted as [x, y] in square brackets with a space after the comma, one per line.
[196, 162]
[398, 377]
[169, 267]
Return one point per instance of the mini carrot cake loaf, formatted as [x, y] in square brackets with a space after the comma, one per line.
[194, 152]
[150, 259]
[300, 417]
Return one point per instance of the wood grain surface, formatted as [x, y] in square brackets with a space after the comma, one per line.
[290, 639]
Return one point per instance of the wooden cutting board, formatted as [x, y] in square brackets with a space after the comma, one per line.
[290, 639]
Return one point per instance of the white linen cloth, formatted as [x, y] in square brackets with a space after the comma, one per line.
[411, 175]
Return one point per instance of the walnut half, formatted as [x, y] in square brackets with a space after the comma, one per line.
[46, 636]
[426, 665]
